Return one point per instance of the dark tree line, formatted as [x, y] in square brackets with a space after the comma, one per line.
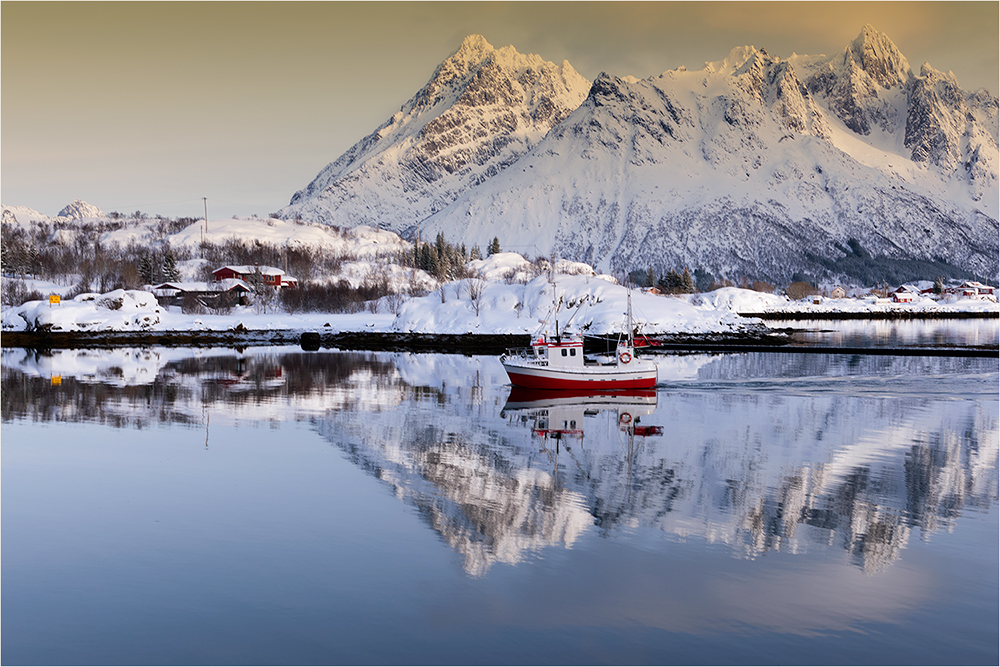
[441, 259]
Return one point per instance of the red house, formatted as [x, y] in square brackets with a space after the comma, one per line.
[272, 276]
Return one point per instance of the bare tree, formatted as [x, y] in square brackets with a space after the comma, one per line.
[475, 288]
[395, 302]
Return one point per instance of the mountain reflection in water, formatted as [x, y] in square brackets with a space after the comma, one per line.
[762, 453]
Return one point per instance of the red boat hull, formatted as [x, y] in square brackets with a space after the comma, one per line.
[547, 379]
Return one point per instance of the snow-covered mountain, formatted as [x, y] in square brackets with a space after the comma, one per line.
[22, 215]
[77, 210]
[480, 112]
[751, 166]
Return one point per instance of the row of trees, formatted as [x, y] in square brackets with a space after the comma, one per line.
[445, 261]
[686, 282]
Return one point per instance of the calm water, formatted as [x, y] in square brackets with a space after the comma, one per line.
[277, 506]
[895, 333]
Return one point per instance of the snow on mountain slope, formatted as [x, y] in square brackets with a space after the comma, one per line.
[22, 215]
[360, 241]
[928, 118]
[690, 169]
[77, 210]
[480, 112]
[754, 166]
[736, 169]
[80, 210]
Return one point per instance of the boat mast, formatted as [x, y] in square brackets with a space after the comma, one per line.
[555, 310]
[630, 339]
[555, 303]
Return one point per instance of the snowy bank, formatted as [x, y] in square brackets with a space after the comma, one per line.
[132, 310]
[589, 303]
[506, 301]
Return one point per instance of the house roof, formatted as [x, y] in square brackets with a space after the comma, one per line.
[247, 269]
[183, 286]
[229, 284]
[221, 286]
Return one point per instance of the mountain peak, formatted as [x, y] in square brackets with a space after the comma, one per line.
[80, 209]
[876, 54]
[470, 54]
[736, 59]
[472, 49]
[482, 109]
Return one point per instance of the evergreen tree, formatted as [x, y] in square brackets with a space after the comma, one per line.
[146, 269]
[494, 246]
[474, 253]
[427, 262]
[938, 286]
[170, 270]
[687, 284]
[671, 283]
[440, 245]
[442, 252]
[703, 280]
[433, 266]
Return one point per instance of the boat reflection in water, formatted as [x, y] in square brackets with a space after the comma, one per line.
[561, 415]
[558, 418]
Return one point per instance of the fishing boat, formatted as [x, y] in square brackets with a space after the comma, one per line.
[558, 362]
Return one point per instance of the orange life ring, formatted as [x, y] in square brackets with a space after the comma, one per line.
[625, 357]
[625, 418]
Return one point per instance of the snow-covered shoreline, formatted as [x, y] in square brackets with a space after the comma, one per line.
[592, 304]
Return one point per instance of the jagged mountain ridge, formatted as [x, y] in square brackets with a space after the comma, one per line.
[482, 110]
[76, 210]
[754, 165]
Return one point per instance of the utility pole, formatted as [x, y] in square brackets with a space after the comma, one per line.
[205, 199]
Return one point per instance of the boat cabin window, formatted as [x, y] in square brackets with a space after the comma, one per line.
[564, 352]
[572, 352]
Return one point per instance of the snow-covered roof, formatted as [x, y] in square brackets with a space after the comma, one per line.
[221, 286]
[232, 283]
[246, 269]
[183, 286]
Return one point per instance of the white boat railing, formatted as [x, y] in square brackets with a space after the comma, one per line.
[525, 355]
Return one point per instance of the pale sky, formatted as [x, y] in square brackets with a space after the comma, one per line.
[153, 105]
